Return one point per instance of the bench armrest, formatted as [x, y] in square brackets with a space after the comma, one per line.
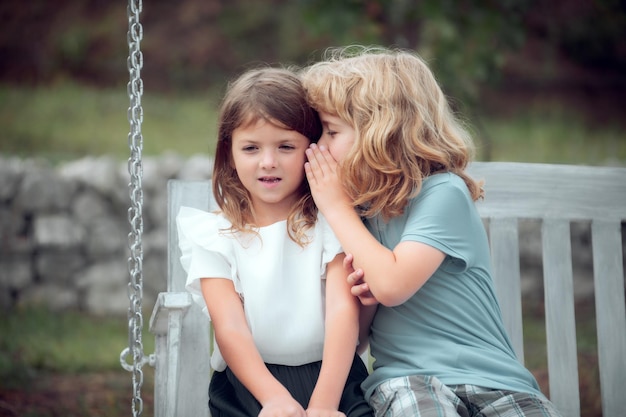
[166, 303]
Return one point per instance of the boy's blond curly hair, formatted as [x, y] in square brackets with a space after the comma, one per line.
[405, 128]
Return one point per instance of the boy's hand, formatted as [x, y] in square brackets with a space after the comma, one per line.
[359, 287]
[326, 188]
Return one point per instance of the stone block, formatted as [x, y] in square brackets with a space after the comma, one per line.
[42, 190]
[58, 230]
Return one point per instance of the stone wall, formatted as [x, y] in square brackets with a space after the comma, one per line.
[64, 234]
[64, 231]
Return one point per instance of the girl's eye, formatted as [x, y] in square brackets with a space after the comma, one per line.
[249, 148]
[331, 133]
[287, 147]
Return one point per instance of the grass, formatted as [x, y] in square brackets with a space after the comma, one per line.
[553, 134]
[36, 340]
[67, 364]
[67, 121]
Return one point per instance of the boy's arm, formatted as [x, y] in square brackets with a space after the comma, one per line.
[366, 316]
[239, 351]
[341, 334]
[393, 276]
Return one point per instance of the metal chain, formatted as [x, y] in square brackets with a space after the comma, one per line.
[135, 212]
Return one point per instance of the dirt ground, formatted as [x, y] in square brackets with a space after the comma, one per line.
[106, 394]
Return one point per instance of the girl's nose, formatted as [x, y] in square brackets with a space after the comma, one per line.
[268, 160]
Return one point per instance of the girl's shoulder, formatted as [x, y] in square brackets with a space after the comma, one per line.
[189, 215]
[321, 226]
[329, 241]
[198, 225]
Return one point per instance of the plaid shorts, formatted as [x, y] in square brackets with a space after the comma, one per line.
[425, 396]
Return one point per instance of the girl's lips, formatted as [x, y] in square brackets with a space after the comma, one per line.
[269, 179]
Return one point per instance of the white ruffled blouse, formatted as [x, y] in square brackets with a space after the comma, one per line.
[280, 283]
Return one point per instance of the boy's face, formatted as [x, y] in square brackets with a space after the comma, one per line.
[338, 136]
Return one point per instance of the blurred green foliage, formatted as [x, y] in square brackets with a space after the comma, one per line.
[464, 41]
[190, 44]
[520, 49]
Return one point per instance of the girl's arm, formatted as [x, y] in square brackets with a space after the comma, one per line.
[340, 340]
[369, 304]
[393, 276]
[239, 351]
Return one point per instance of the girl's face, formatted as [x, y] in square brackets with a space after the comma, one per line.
[270, 163]
[338, 136]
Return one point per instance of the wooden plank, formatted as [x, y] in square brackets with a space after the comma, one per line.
[560, 319]
[160, 375]
[166, 302]
[610, 313]
[525, 190]
[175, 363]
[504, 244]
[167, 360]
[195, 351]
[182, 193]
[166, 325]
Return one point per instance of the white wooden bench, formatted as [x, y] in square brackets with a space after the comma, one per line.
[553, 194]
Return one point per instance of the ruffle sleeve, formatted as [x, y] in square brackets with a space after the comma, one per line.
[205, 251]
[331, 246]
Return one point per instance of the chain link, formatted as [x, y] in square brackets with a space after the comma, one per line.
[135, 211]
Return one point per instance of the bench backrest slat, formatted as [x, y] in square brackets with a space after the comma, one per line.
[573, 192]
[610, 313]
[559, 314]
[504, 243]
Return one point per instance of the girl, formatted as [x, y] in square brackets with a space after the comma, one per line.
[392, 149]
[267, 268]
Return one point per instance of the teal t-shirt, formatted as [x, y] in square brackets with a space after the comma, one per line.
[452, 327]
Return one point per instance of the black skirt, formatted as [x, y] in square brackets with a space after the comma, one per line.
[229, 398]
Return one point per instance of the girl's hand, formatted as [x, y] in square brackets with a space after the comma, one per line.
[283, 406]
[321, 172]
[321, 412]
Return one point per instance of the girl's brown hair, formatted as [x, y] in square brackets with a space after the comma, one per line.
[275, 95]
[405, 129]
